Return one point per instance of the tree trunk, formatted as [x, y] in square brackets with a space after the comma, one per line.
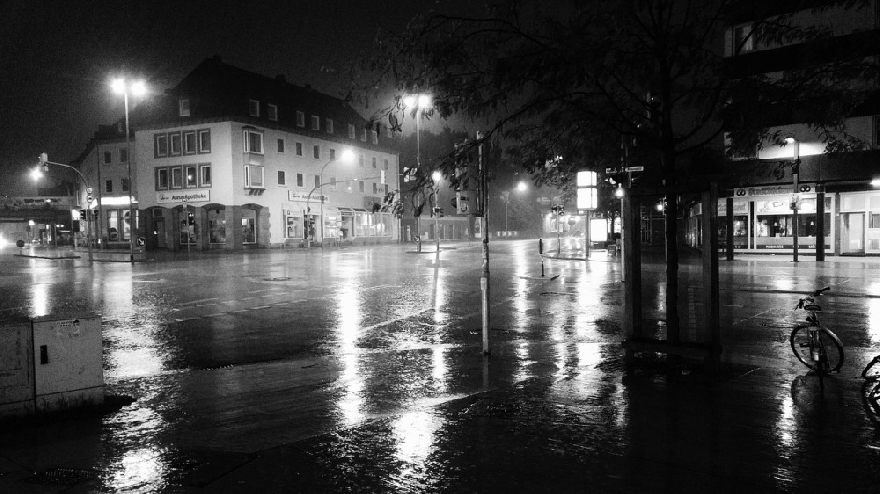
[671, 229]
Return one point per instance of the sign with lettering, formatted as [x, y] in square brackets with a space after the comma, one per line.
[773, 190]
[181, 196]
[303, 197]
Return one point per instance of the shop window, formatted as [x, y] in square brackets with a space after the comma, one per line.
[217, 226]
[253, 176]
[160, 145]
[248, 226]
[293, 225]
[253, 141]
[205, 175]
[189, 142]
[205, 141]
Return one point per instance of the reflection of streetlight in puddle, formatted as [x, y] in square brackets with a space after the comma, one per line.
[350, 403]
[414, 432]
[139, 470]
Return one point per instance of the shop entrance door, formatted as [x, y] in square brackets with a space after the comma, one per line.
[852, 234]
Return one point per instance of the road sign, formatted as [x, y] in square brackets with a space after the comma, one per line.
[635, 168]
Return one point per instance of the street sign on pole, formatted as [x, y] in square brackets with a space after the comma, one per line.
[634, 169]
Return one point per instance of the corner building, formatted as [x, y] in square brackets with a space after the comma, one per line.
[231, 159]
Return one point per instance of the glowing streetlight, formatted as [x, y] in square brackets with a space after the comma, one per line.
[135, 88]
[420, 102]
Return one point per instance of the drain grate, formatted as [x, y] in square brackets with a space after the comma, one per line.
[63, 476]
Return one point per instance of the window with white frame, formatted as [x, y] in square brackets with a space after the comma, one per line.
[300, 119]
[253, 141]
[189, 142]
[351, 134]
[272, 112]
[205, 174]
[328, 125]
[160, 145]
[177, 177]
[176, 148]
[253, 176]
[316, 122]
[192, 180]
[161, 178]
[205, 141]
[183, 107]
[254, 107]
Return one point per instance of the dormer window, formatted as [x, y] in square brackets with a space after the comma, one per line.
[254, 108]
[183, 107]
[316, 122]
[300, 119]
[272, 112]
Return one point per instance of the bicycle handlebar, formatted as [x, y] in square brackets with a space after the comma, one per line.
[809, 298]
[819, 291]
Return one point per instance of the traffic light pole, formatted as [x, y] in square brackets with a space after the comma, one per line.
[44, 162]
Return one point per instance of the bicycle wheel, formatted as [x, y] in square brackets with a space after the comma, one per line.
[871, 398]
[828, 343]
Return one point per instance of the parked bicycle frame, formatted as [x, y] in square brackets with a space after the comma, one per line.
[814, 345]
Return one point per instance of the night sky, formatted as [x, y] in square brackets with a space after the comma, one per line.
[57, 57]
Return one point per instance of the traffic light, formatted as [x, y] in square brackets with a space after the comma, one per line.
[558, 209]
[191, 218]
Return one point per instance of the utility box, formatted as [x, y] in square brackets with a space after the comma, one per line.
[16, 369]
[51, 363]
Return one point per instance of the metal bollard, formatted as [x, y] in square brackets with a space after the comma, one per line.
[541, 253]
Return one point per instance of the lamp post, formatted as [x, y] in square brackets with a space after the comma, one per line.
[347, 157]
[795, 170]
[136, 88]
[419, 101]
[37, 173]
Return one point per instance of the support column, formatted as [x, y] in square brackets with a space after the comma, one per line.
[710, 273]
[632, 287]
[729, 237]
[820, 223]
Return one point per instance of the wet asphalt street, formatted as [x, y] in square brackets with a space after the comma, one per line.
[360, 370]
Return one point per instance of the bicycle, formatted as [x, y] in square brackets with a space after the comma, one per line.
[814, 345]
[871, 389]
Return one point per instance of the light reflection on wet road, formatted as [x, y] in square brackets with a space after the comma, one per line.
[368, 360]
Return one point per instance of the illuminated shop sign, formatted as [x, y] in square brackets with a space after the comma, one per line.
[179, 196]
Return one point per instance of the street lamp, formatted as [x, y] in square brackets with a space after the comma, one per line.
[795, 170]
[419, 102]
[347, 157]
[135, 88]
[437, 177]
[44, 166]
